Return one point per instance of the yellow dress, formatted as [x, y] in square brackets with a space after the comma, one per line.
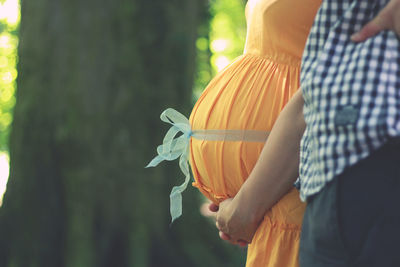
[248, 95]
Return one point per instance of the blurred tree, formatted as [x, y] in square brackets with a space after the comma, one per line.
[93, 77]
[203, 71]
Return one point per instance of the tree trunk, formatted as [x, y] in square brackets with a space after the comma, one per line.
[93, 78]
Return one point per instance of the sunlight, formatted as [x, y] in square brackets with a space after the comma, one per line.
[5, 41]
[3, 61]
[9, 18]
[8, 77]
[9, 11]
[4, 172]
[219, 45]
[221, 62]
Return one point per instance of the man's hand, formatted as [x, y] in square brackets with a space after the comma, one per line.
[387, 19]
[235, 226]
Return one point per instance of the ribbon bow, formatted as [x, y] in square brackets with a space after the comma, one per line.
[172, 148]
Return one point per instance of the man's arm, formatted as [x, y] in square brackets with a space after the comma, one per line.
[272, 177]
[387, 19]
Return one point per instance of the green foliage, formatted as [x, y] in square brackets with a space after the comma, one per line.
[229, 25]
[9, 21]
[220, 40]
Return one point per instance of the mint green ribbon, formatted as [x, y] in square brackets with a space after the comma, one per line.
[172, 148]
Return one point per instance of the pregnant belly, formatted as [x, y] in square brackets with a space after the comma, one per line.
[220, 167]
[247, 96]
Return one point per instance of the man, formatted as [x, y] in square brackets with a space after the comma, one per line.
[349, 170]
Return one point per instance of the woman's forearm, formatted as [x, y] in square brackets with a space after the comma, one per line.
[278, 164]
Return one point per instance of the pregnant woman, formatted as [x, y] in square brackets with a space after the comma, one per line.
[232, 118]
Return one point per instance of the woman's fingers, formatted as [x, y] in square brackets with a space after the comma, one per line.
[213, 207]
[224, 236]
[242, 243]
[234, 233]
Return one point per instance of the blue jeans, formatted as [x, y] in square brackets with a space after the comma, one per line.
[355, 220]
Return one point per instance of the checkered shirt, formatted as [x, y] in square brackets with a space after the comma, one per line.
[351, 92]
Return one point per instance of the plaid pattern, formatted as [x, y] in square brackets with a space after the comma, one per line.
[351, 92]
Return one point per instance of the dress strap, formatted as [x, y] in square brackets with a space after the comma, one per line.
[231, 135]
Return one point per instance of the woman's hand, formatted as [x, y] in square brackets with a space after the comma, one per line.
[235, 225]
[387, 19]
[212, 210]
